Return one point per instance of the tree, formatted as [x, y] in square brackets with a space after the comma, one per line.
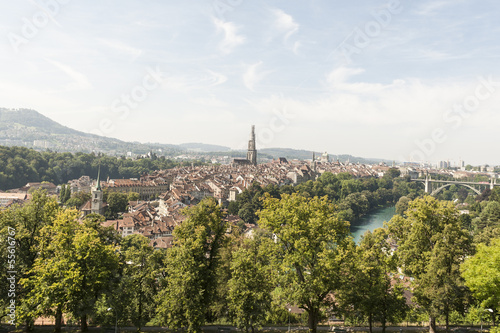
[392, 173]
[431, 245]
[495, 194]
[219, 309]
[133, 196]
[247, 213]
[311, 244]
[402, 205]
[117, 203]
[191, 267]
[20, 165]
[357, 202]
[486, 225]
[233, 208]
[462, 194]
[138, 283]
[62, 194]
[482, 273]
[74, 267]
[67, 194]
[78, 199]
[251, 283]
[373, 294]
[490, 216]
[27, 221]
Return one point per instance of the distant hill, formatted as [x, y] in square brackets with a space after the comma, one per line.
[29, 128]
[307, 155]
[30, 119]
[202, 147]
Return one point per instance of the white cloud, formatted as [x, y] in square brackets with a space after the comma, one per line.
[341, 74]
[231, 37]
[121, 47]
[284, 23]
[80, 81]
[253, 76]
[202, 80]
[214, 78]
[296, 46]
[431, 7]
[211, 101]
[368, 104]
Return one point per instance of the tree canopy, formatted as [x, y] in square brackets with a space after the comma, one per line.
[191, 267]
[482, 274]
[311, 246]
[431, 246]
[19, 165]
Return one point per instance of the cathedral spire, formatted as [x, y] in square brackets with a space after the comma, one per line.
[98, 184]
[252, 151]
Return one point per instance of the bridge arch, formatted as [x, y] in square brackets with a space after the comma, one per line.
[436, 191]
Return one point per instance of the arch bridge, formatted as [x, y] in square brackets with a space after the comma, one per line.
[476, 187]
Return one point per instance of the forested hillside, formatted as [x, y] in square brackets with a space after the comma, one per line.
[20, 165]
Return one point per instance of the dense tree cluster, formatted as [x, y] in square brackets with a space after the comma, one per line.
[354, 197]
[301, 255]
[483, 220]
[19, 166]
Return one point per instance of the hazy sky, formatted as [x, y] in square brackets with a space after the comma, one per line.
[404, 80]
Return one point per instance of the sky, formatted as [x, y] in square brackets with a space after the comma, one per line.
[400, 80]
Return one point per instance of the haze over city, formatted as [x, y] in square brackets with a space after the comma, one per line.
[400, 80]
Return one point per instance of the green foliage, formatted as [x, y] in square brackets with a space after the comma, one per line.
[117, 203]
[78, 199]
[372, 293]
[73, 268]
[392, 173]
[27, 221]
[251, 283]
[65, 193]
[312, 245]
[355, 197]
[495, 194]
[402, 205]
[482, 273]
[248, 202]
[486, 226]
[19, 166]
[232, 208]
[490, 216]
[191, 267]
[134, 296]
[133, 196]
[431, 246]
[88, 272]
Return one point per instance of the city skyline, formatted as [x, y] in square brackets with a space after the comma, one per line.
[392, 79]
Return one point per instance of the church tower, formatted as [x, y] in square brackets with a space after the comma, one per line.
[252, 151]
[97, 205]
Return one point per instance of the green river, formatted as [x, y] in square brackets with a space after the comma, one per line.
[372, 221]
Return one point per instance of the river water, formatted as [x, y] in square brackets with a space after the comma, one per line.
[372, 221]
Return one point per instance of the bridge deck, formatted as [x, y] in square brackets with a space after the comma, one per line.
[453, 182]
